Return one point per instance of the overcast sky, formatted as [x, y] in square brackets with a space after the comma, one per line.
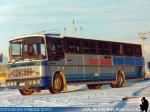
[117, 20]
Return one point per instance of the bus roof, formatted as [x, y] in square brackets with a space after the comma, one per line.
[25, 36]
[100, 40]
[37, 35]
[58, 35]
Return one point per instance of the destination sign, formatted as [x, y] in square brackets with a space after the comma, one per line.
[100, 62]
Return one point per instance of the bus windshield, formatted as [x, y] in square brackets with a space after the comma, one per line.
[27, 48]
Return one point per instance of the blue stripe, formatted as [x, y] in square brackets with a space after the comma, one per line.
[126, 60]
[26, 64]
[77, 78]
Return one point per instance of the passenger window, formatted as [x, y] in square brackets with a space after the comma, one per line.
[55, 49]
[137, 50]
[115, 48]
[73, 45]
[104, 48]
[128, 50]
[89, 46]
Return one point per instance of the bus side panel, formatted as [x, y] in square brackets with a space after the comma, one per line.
[103, 78]
[88, 68]
[46, 77]
[71, 66]
[80, 68]
[137, 73]
[132, 66]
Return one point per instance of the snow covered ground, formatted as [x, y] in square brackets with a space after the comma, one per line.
[81, 96]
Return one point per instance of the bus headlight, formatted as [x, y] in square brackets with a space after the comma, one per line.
[38, 81]
[15, 83]
[11, 84]
[34, 82]
[8, 84]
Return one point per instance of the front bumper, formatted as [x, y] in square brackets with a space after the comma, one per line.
[28, 82]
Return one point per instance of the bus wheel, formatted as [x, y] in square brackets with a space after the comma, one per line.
[94, 86]
[58, 85]
[26, 91]
[120, 79]
[113, 85]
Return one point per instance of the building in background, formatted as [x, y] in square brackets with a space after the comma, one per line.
[3, 74]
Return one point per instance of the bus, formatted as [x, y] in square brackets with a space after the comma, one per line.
[52, 61]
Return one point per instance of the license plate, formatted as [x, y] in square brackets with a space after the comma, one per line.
[21, 84]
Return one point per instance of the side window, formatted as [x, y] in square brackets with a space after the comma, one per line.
[104, 48]
[137, 50]
[55, 49]
[115, 48]
[128, 49]
[89, 46]
[73, 45]
[16, 49]
[57, 46]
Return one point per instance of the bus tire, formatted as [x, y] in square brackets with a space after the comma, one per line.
[93, 86]
[26, 91]
[113, 85]
[120, 79]
[57, 85]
